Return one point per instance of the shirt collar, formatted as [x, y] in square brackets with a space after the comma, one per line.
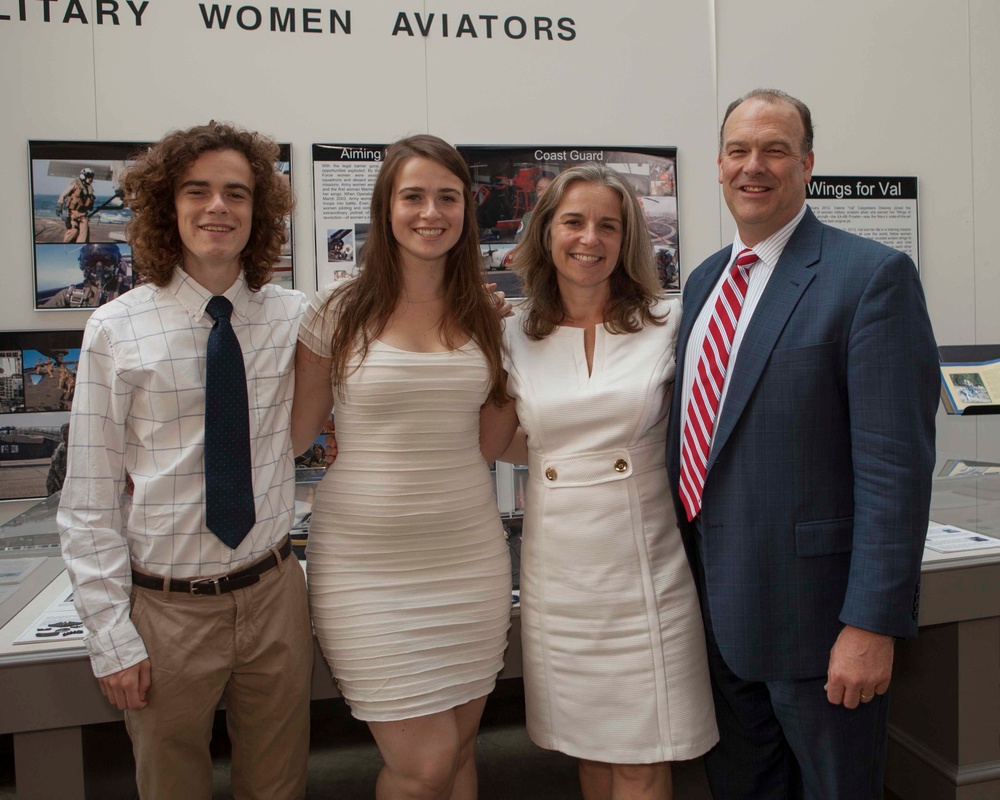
[769, 250]
[194, 297]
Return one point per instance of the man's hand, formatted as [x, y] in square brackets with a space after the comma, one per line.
[502, 304]
[127, 689]
[860, 667]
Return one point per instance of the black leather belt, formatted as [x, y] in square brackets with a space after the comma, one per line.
[213, 586]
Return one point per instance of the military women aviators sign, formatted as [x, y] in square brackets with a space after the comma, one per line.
[37, 384]
[81, 257]
[509, 180]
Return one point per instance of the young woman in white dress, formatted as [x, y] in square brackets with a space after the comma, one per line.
[615, 670]
[409, 573]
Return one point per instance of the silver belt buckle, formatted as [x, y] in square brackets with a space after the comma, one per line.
[198, 586]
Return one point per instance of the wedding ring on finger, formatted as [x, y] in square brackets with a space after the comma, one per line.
[867, 697]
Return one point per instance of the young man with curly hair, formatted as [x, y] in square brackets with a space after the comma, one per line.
[180, 613]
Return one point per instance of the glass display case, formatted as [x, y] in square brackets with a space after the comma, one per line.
[944, 718]
[945, 711]
[511, 486]
[967, 494]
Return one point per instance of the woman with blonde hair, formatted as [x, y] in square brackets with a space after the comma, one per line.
[615, 671]
[409, 574]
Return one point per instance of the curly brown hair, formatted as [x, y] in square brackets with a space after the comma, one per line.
[364, 305]
[150, 181]
[635, 287]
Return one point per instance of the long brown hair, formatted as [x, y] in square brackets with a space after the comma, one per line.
[362, 307]
[149, 182]
[634, 285]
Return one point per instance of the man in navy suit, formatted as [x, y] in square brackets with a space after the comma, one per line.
[807, 536]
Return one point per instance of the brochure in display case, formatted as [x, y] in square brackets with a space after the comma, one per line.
[59, 621]
[970, 379]
[952, 539]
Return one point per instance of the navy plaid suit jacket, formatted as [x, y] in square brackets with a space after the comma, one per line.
[815, 505]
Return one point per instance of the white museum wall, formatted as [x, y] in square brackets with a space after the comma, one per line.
[889, 89]
[639, 73]
[982, 300]
[896, 89]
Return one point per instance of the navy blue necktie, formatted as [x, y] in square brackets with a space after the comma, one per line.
[229, 506]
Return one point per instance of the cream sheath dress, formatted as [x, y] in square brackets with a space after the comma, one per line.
[409, 573]
[614, 651]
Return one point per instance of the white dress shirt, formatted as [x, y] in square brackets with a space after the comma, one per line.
[139, 410]
[768, 251]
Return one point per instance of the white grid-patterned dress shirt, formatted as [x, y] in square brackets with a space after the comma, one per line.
[139, 410]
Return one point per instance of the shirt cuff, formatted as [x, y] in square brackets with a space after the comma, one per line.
[116, 649]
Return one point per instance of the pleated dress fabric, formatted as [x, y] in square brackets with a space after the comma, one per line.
[614, 656]
[409, 573]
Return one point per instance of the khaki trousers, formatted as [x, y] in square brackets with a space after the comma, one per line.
[252, 648]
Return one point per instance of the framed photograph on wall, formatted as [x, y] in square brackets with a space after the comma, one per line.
[78, 216]
[37, 384]
[81, 256]
[343, 180]
[880, 208]
[509, 180]
[284, 270]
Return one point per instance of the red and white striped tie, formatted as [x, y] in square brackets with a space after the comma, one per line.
[706, 391]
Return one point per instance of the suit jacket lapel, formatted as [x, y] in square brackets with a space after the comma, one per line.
[792, 274]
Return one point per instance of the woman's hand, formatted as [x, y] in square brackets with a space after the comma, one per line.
[500, 302]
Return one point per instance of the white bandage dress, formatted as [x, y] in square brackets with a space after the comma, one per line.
[614, 651]
[409, 573]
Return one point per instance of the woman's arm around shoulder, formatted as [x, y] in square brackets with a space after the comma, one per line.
[313, 396]
[496, 427]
